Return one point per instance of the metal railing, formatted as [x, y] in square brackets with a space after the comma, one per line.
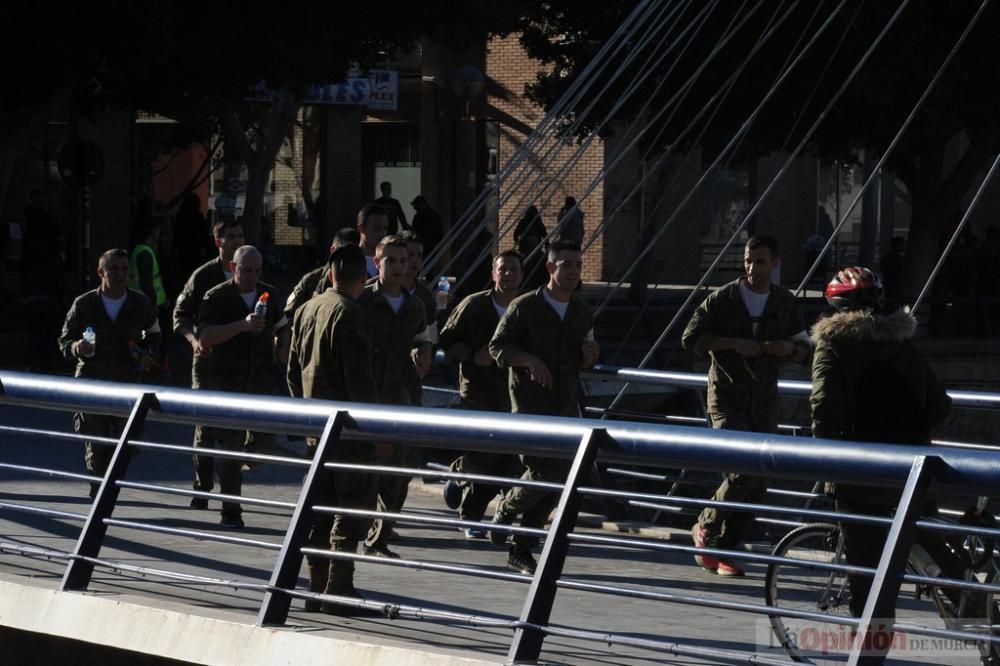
[583, 441]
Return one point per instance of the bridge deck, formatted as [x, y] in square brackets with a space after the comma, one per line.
[662, 572]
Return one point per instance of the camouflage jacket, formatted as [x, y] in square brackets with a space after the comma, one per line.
[201, 280]
[331, 352]
[112, 359]
[737, 384]
[312, 284]
[395, 336]
[426, 297]
[245, 362]
[473, 323]
[531, 325]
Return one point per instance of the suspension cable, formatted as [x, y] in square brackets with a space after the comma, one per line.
[677, 95]
[788, 137]
[836, 96]
[954, 236]
[885, 155]
[735, 139]
[717, 100]
[548, 124]
[557, 146]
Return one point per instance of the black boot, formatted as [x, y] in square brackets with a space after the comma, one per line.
[319, 575]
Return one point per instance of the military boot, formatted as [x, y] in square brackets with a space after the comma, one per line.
[319, 574]
[341, 584]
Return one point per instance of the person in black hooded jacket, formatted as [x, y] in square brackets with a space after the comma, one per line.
[871, 384]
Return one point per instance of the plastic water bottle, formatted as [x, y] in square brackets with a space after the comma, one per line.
[91, 339]
[443, 288]
[261, 308]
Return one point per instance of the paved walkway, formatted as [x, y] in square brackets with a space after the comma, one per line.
[609, 565]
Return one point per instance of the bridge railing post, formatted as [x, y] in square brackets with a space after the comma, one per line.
[274, 608]
[880, 608]
[79, 571]
[527, 643]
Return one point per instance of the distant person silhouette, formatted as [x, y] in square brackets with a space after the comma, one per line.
[394, 209]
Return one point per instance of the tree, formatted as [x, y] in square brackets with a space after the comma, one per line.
[198, 62]
[963, 111]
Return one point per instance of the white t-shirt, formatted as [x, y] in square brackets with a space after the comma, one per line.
[754, 302]
[250, 298]
[395, 302]
[113, 305]
[560, 308]
[499, 308]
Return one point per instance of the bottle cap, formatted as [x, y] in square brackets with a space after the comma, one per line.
[264, 297]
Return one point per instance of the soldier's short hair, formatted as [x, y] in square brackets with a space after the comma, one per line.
[348, 263]
[389, 241]
[113, 253]
[245, 251]
[371, 209]
[514, 254]
[346, 236]
[562, 246]
[763, 240]
[220, 226]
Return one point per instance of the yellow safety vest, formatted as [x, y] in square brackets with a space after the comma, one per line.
[133, 274]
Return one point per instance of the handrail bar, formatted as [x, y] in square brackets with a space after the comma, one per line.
[768, 455]
[696, 380]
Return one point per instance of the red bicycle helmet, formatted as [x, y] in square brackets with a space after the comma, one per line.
[853, 288]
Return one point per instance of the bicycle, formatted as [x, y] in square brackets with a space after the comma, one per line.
[795, 587]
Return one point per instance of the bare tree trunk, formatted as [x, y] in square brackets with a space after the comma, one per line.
[260, 160]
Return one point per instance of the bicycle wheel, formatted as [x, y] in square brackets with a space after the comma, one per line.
[797, 587]
[984, 611]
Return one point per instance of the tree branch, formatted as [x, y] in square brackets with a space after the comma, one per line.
[235, 133]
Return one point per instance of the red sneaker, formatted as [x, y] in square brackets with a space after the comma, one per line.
[728, 569]
[706, 562]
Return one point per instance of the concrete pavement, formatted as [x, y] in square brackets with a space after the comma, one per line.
[196, 603]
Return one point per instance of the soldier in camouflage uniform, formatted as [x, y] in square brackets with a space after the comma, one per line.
[747, 327]
[482, 383]
[121, 318]
[315, 282]
[228, 234]
[400, 349]
[545, 338]
[331, 359]
[417, 288]
[244, 347]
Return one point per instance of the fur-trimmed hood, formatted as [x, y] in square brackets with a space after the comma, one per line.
[865, 326]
